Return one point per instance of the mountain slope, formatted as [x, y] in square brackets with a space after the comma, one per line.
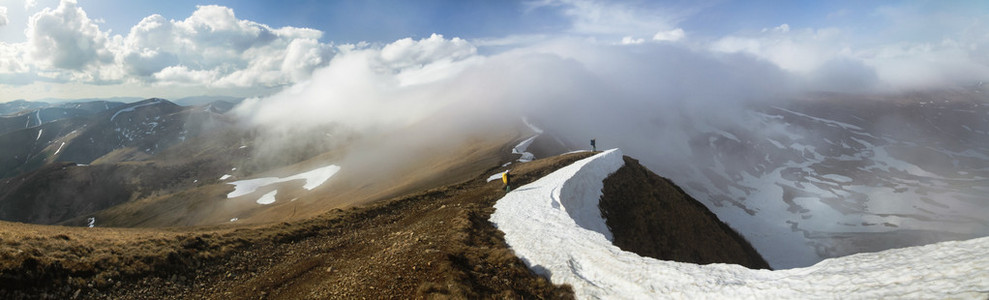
[133, 131]
[37, 113]
[433, 242]
[651, 216]
[553, 224]
[427, 243]
[817, 176]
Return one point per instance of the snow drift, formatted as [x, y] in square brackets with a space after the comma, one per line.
[555, 226]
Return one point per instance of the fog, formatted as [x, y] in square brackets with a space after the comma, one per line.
[656, 101]
[586, 87]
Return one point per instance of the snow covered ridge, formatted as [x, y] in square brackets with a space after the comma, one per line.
[132, 108]
[555, 226]
[313, 178]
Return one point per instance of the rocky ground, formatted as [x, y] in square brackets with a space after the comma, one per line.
[649, 215]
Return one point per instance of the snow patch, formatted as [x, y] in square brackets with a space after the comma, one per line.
[244, 187]
[234, 219]
[39, 134]
[91, 221]
[576, 151]
[838, 178]
[225, 176]
[313, 179]
[59, 148]
[496, 176]
[268, 198]
[522, 147]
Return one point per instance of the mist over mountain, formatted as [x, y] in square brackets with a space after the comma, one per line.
[800, 166]
[810, 138]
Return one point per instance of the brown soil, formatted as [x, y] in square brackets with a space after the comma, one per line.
[651, 216]
[434, 243]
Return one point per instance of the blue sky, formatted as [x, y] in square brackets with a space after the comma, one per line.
[346, 21]
[68, 49]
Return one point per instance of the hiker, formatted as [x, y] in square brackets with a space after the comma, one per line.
[507, 179]
[594, 147]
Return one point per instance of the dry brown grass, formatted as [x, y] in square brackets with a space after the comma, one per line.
[430, 244]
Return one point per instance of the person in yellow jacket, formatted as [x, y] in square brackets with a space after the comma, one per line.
[507, 179]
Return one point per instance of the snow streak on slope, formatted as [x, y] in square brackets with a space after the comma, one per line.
[59, 149]
[132, 108]
[524, 145]
[552, 225]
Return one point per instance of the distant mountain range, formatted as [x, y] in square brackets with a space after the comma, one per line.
[802, 180]
[87, 131]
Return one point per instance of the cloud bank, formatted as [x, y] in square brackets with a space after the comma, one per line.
[210, 48]
[910, 45]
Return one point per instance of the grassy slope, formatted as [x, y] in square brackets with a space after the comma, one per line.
[435, 242]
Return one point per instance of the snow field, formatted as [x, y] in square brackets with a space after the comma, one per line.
[555, 226]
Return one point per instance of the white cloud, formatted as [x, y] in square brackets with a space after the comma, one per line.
[926, 65]
[3, 15]
[184, 75]
[798, 51]
[408, 52]
[956, 55]
[628, 40]
[235, 52]
[66, 38]
[210, 48]
[11, 61]
[672, 35]
[385, 82]
[29, 4]
[784, 28]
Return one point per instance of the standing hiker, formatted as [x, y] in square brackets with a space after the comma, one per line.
[594, 147]
[507, 179]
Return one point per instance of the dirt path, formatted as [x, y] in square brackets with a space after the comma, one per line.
[432, 243]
